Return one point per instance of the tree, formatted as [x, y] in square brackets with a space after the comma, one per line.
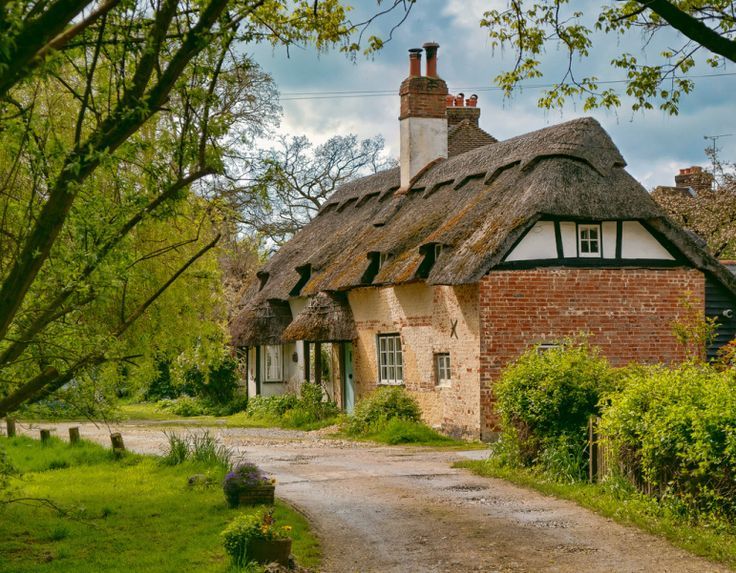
[711, 214]
[116, 120]
[528, 27]
[291, 182]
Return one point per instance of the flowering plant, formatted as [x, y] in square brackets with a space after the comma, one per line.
[241, 477]
[245, 527]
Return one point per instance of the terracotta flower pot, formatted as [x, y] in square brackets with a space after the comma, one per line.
[269, 550]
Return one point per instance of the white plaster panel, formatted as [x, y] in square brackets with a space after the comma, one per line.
[422, 139]
[568, 230]
[538, 243]
[638, 243]
[609, 239]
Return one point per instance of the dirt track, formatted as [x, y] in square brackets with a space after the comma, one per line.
[391, 509]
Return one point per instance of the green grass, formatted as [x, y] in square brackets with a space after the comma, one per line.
[715, 540]
[129, 515]
[404, 432]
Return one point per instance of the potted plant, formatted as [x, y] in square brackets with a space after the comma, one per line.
[256, 537]
[247, 484]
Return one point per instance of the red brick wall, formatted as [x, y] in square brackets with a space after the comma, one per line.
[627, 312]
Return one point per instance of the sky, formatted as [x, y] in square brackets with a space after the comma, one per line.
[654, 144]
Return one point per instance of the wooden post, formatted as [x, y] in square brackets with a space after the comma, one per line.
[10, 424]
[592, 451]
[74, 435]
[45, 435]
[118, 447]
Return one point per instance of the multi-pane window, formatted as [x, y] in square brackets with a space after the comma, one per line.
[442, 368]
[390, 359]
[589, 240]
[272, 363]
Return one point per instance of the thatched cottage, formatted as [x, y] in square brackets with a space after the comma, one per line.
[435, 274]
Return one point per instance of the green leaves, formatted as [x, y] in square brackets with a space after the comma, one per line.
[530, 28]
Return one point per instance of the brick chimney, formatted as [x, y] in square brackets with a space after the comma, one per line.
[695, 178]
[460, 109]
[423, 121]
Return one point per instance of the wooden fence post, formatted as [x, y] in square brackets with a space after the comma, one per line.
[592, 450]
[45, 435]
[74, 435]
[118, 447]
[598, 461]
[10, 424]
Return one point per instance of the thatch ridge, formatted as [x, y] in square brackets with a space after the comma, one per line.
[327, 318]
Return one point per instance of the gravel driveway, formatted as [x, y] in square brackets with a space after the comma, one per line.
[393, 509]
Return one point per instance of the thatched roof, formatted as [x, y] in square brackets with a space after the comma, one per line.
[327, 318]
[261, 323]
[476, 204]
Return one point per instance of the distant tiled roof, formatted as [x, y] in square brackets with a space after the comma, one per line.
[466, 136]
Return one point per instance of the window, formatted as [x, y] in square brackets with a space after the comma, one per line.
[442, 368]
[390, 359]
[545, 346]
[272, 363]
[437, 251]
[589, 240]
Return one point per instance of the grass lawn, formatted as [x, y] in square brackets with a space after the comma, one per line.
[715, 541]
[128, 515]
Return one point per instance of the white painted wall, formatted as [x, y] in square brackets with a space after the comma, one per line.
[422, 140]
[538, 243]
[608, 229]
[638, 243]
[568, 231]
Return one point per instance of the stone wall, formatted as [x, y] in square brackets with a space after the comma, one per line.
[627, 312]
[424, 317]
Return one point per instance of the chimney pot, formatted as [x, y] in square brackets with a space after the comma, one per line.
[415, 62]
[431, 49]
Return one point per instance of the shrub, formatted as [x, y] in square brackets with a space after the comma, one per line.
[267, 406]
[545, 399]
[187, 406]
[674, 431]
[244, 527]
[401, 431]
[382, 405]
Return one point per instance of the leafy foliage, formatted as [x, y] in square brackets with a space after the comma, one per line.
[122, 124]
[545, 399]
[530, 26]
[674, 431]
[243, 528]
[380, 407]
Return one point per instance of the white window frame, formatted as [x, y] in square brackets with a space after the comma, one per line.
[598, 240]
[442, 368]
[390, 359]
[545, 346]
[272, 354]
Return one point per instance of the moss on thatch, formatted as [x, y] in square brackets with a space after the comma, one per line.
[327, 318]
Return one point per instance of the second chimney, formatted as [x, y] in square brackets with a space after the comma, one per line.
[423, 120]
[695, 178]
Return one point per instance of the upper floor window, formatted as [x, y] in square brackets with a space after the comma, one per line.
[589, 240]
[383, 258]
[390, 359]
[272, 363]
